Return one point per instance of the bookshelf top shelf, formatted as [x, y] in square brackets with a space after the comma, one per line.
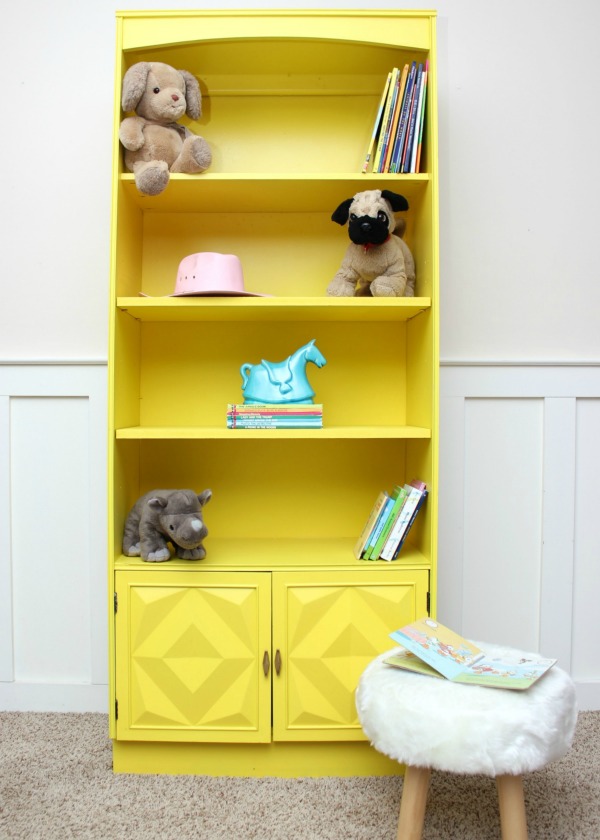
[360, 30]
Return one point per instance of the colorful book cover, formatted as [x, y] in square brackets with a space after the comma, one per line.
[401, 524]
[398, 548]
[431, 648]
[292, 423]
[438, 646]
[399, 496]
[370, 524]
[387, 127]
[274, 408]
[378, 528]
[385, 121]
[422, 123]
[377, 124]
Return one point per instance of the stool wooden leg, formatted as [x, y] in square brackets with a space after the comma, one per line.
[412, 806]
[513, 819]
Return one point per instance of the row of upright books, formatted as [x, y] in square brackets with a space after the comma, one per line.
[397, 136]
[267, 416]
[389, 522]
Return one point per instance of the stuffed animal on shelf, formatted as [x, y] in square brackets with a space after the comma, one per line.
[164, 516]
[377, 261]
[155, 144]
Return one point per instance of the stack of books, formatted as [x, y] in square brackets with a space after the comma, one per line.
[397, 136]
[389, 522]
[267, 416]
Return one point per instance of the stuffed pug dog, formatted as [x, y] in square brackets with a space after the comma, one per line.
[376, 262]
[164, 516]
[155, 144]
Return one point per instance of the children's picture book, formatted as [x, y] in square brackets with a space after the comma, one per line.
[416, 492]
[431, 648]
[370, 524]
[398, 498]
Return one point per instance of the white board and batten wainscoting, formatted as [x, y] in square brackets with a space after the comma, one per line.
[519, 534]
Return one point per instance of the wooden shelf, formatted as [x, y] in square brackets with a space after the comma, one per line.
[272, 553]
[273, 308]
[222, 433]
[262, 192]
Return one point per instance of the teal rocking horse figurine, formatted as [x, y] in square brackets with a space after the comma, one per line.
[281, 382]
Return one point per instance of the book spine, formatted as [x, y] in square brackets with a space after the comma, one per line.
[309, 415]
[401, 135]
[410, 524]
[293, 423]
[368, 552]
[283, 408]
[386, 117]
[399, 500]
[396, 119]
[390, 120]
[415, 145]
[421, 127]
[401, 523]
[412, 121]
[369, 524]
[377, 124]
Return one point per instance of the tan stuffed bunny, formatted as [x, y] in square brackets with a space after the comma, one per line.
[155, 144]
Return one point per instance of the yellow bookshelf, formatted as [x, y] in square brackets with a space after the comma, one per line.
[245, 663]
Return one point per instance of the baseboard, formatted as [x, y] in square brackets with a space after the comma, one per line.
[44, 697]
[588, 696]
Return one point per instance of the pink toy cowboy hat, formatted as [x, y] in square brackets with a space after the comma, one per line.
[208, 273]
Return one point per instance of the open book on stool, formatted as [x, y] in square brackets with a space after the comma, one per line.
[431, 648]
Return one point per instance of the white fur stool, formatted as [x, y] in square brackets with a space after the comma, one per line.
[428, 723]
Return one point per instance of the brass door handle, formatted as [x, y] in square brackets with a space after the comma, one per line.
[266, 663]
[278, 662]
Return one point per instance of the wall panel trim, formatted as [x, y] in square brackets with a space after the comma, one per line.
[560, 386]
[69, 380]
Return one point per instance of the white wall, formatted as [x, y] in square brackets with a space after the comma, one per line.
[519, 539]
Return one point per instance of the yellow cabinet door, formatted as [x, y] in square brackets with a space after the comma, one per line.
[327, 626]
[189, 656]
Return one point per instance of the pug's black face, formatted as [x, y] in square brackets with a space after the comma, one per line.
[368, 230]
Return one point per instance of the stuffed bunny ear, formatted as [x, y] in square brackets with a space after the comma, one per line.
[397, 201]
[340, 214]
[134, 85]
[193, 97]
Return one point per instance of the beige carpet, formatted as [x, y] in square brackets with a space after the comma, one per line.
[56, 783]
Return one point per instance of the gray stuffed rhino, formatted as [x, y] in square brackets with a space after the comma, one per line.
[164, 516]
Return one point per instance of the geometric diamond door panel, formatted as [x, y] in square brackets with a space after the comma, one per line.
[190, 656]
[327, 627]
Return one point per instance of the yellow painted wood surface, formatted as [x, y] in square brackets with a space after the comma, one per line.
[327, 627]
[289, 99]
[210, 657]
[286, 760]
[189, 656]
